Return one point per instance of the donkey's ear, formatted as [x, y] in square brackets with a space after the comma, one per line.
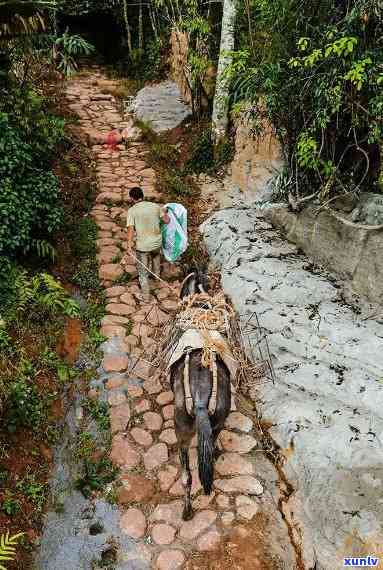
[189, 285]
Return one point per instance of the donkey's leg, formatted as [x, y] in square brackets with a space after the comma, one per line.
[186, 478]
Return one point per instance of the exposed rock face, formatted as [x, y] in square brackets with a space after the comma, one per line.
[352, 253]
[326, 405]
[257, 158]
[161, 106]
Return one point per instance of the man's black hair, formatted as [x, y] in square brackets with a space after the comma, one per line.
[136, 193]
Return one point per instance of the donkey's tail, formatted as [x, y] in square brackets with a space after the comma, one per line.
[205, 449]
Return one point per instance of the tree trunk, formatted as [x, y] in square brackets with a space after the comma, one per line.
[127, 25]
[140, 28]
[220, 117]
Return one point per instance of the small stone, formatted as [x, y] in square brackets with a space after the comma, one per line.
[157, 318]
[115, 363]
[115, 382]
[133, 523]
[203, 501]
[238, 421]
[223, 501]
[152, 386]
[167, 477]
[227, 518]
[239, 443]
[110, 331]
[135, 391]
[141, 330]
[209, 541]
[131, 340]
[113, 320]
[115, 291]
[169, 424]
[201, 521]
[169, 512]
[156, 456]
[168, 436]
[168, 412]
[119, 417]
[116, 398]
[233, 464]
[119, 309]
[170, 305]
[128, 299]
[248, 511]
[153, 421]
[170, 560]
[135, 489]
[110, 271]
[141, 436]
[162, 294]
[123, 453]
[163, 534]
[242, 531]
[142, 406]
[165, 398]
[142, 369]
[241, 484]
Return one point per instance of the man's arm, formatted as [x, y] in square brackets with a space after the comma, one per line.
[165, 216]
[130, 237]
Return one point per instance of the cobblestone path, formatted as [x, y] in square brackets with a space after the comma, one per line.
[141, 405]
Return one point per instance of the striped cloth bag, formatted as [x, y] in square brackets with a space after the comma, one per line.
[174, 234]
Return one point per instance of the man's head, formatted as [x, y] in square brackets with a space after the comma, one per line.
[136, 194]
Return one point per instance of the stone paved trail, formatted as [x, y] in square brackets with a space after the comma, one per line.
[141, 405]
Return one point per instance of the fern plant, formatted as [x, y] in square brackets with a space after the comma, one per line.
[8, 547]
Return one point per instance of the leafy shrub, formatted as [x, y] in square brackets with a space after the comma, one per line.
[10, 507]
[97, 475]
[83, 243]
[164, 152]
[314, 71]
[99, 412]
[24, 406]
[29, 196]
[176, 183]
[27, 115]
[86, 277]
[66, 48]
[40, 295]
[205, 157]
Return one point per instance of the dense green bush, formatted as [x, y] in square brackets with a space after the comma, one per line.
[29, 195]
[205, 156]
[314, 70]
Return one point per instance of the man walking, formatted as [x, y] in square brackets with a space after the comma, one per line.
[144, 221]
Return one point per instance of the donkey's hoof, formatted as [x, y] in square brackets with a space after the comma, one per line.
[187, 515]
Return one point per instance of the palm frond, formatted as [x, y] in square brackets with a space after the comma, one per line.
[18, 17]
[8, 547]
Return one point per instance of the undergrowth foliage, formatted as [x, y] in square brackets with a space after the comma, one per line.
[314, 70]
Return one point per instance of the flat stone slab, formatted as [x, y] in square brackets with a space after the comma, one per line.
[161, 106]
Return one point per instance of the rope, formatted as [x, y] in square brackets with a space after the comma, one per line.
[204, 312]
[213, 397]
[188, 397]
[149, 270]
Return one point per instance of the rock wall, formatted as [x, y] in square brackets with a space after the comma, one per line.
[179, 63]
[178, 58]
[257, 158]
[353, 254]
[326, 405]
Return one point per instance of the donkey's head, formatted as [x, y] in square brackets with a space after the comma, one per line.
[195, 282]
